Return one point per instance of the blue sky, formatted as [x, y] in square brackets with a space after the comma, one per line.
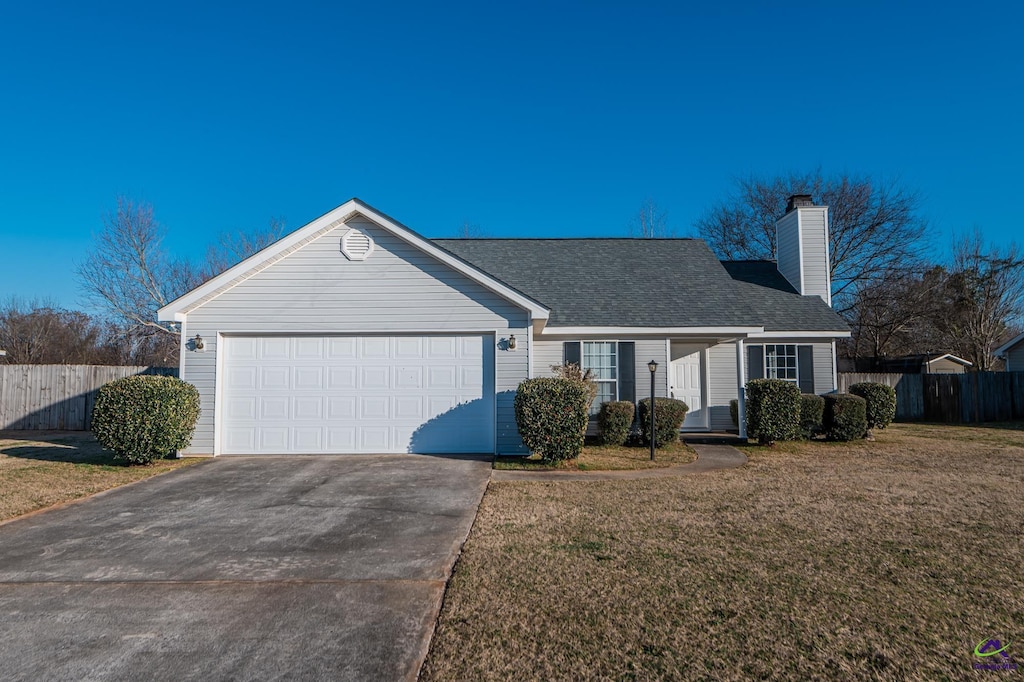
[528, 119]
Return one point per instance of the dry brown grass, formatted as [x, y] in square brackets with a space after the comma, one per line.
[41, 469]
[607, 458]
[872, 560]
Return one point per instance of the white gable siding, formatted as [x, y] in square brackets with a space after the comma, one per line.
[814, 233]
[317, 290]
[722, 375]
[787, 248]
[1015, 358]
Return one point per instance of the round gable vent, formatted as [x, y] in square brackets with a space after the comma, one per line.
[356, 245]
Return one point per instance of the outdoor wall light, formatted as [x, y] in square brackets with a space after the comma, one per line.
[197, 343]
[511, 341]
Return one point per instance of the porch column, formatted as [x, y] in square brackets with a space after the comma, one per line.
[741, 382]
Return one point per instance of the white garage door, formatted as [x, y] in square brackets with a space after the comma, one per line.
[347, 394]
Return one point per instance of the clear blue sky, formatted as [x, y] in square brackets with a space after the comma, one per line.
[527, 119]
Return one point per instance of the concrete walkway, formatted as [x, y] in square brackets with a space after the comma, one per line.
[303, 568]
[710, 457]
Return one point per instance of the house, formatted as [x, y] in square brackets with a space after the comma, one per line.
[1012, 353]
[926, 363]
[356, 334]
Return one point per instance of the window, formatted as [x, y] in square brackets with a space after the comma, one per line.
[601, 357]
[780, 362]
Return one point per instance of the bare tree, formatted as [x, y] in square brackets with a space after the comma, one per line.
[984, 298]
[41, 333]
[895, 315]
[233, 247]
[874, 226]
[127, 274]
[468, 230]
[650, 221]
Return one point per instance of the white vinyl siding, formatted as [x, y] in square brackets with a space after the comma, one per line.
[814, 233]
[787, 237]
[722, 375]
[397, 289]
[1015, 358]
[548, 352]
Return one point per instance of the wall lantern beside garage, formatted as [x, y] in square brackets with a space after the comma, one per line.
[511, 342]
[197, 344]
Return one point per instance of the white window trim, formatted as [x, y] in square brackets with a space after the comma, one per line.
[796, 356]
[617, 363]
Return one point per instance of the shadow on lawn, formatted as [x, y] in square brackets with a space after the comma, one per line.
[74, 449]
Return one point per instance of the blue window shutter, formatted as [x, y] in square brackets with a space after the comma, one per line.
[627, 371]
[755, 362]
[805, 368]
[572, 353]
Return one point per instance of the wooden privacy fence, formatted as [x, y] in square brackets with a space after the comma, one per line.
[950, 398]
[57, 397]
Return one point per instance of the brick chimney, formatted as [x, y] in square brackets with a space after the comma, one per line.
[801, 245]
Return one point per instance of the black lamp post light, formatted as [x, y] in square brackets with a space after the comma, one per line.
[653, 366]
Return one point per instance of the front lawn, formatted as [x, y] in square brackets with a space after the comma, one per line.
[889, 559]
[41, 469]
[607, 458]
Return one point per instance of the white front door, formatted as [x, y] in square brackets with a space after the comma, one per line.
[687, 384]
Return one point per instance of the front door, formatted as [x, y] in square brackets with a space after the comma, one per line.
[687, 384]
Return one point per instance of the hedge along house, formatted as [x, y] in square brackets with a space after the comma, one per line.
[355, 334]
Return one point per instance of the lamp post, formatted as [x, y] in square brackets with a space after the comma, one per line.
[653, 366]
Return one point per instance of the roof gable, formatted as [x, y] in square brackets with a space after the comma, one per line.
[177, 309]
[1003, 349]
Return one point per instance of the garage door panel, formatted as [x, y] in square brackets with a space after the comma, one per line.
[308, 378]
[275, 378]
[274, 407]
[371, 378]
[308, 407]
[274, 348]
[339, 394]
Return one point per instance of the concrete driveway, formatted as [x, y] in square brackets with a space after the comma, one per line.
[300, 568]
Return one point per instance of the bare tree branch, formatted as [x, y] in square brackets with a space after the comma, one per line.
[874, 226]
[650, 222]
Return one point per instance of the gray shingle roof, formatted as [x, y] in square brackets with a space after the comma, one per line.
[645, 283]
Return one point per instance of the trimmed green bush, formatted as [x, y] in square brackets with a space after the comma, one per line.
[669, 415]
[613, 422]
[143, 417]
[552, 417]
[812, 414]
[734, 412]
[773, 410]
[845, 416]
[881, 399]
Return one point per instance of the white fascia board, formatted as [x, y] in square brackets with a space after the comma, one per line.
[629, 331]
[801, 335]
[175, 310]
[966, 363]
[1009, 344]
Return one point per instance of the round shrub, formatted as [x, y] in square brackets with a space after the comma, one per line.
[669, 415]
[552, 417]
[881, 399]
[812, 414]
[613, 421]
[845, 416]
[773, 410]
[142, 418]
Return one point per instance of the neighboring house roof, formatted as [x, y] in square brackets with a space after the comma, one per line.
[646, 283]
[1009, 344]
[914, 362]
[176, 309]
